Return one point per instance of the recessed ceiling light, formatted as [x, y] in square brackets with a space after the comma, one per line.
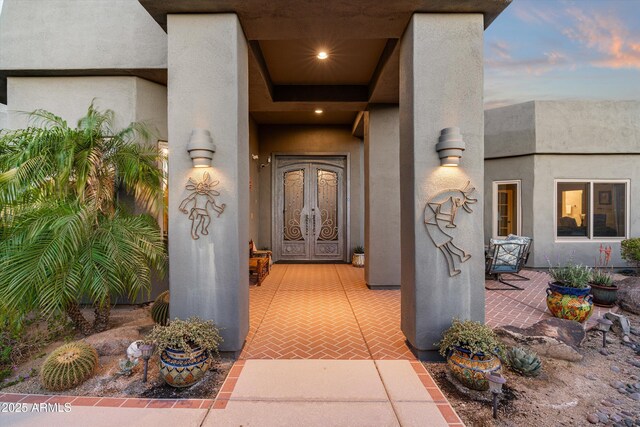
[323, 55]
[319, 111]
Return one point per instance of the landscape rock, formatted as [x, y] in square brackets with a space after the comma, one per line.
[635, 396]
[619, 321]
[593, 418]
[629, 294]
[553, 337]
[114, 342]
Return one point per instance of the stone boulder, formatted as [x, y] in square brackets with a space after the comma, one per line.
[553, 337]
[114, 342]
[629, 294]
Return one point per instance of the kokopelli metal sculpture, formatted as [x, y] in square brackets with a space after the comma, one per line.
[439, 217]
[202, 195]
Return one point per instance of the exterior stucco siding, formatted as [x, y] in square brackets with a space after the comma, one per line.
[79, 34]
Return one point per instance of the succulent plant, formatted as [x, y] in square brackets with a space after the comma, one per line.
[160, 309]
[69, 366]
[524, 362]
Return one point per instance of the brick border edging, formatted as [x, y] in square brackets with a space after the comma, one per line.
[109, 402]
[224, 394]
[445, 408]
[220, 401]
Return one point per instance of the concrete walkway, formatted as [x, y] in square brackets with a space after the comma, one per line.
[344, 393]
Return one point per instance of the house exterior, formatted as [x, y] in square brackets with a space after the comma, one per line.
[565, 173]
[325, 119]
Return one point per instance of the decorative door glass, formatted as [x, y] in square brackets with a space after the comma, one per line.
[294, 199]
[327, 198]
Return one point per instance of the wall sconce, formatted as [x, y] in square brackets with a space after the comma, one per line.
[450, 146]
[201, 148]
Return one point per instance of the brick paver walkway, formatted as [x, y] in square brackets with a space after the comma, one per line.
[325, 311]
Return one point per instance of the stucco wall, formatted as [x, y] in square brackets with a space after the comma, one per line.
[3, 116]
[550, 167]
[563, 127]
[510, 131]
[131, 98]
[79, 34]
[311, 139]
[587, 126]
[254, 183]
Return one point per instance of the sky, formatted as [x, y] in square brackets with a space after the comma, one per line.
[563, 49]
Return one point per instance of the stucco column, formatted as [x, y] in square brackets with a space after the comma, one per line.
[208, 89]
[440, 87]
[382, 197]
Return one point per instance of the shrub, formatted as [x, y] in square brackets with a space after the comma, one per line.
[473, 336]
[358, 250]
[630, 250]
[65, 235]
[186, 335]
[571, 275]
[601, 278]
[69, 366]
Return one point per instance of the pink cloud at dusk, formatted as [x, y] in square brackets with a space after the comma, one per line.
[619, 47]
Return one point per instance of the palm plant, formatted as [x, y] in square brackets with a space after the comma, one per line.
[64, 233]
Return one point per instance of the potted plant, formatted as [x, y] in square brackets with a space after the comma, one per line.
[604, 291]
[568, 294]
[185, 348]
[357, 260]
[472, 350]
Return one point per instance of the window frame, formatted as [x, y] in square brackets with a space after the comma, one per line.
[494, 214]
[590, 237]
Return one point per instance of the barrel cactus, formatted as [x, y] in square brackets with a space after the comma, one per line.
[524, 362]
[69, 366]
[160, 309]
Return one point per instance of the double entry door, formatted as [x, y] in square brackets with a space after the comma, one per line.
[310, 208]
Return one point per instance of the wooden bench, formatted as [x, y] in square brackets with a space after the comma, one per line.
[259, 267]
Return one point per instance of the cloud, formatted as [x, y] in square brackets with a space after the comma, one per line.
[500, 58]
[615, 44]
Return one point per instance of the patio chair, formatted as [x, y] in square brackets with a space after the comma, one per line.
[507, 257]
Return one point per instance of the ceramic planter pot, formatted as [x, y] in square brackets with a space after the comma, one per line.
[357, 260]
[569, 303]
[604, 296]
[470, 368]
[180, 369]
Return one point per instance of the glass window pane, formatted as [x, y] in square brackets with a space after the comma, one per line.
[573, 209]
[507, 200]
[609, 210]
[328, 205]
[293, 205]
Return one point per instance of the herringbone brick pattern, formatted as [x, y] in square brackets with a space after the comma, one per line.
[378, 314]
[526, 307]
[307, 311]
[324, 311]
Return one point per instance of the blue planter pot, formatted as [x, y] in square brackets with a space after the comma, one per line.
[566, 290]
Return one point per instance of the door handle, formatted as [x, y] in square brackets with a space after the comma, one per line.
[306, 224]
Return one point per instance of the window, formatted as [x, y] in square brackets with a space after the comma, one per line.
[164, 149]
[506, 208]
[591, 209]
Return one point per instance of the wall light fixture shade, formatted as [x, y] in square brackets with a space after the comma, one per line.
[450, 146]
[201, 148]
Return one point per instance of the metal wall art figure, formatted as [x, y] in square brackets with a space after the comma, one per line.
[202, 195]
[439, 217]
